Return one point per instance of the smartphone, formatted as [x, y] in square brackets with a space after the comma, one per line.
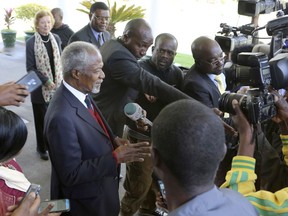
[61, 205]
[162, 190]
[162, 208]
[31, 80]
[32, 188]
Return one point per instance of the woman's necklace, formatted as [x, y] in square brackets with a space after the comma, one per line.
[46, 40]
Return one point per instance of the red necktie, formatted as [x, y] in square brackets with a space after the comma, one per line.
[96, 115]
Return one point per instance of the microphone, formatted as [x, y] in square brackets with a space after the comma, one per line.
[135, 113]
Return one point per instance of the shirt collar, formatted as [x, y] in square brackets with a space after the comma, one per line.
[212, 77]
[79, 95]
[95, 33]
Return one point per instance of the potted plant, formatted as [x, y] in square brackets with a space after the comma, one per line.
[27, 13]
[8, 35]
[117, 15]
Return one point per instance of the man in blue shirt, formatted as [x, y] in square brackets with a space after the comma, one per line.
[188, 144]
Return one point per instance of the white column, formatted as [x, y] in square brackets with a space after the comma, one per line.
[75, 19]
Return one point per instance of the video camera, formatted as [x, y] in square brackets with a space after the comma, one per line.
[279, 24]
[230, 37]
[254, 70]
[256, 7]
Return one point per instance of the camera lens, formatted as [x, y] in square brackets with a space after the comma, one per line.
[225, 102]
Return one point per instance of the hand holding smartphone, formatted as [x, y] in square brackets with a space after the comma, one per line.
[61, 205]
[31, 80]
[32, 188]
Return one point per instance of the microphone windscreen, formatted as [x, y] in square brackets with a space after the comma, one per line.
[130, 108]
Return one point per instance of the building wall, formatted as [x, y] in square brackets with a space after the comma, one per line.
[186, 19]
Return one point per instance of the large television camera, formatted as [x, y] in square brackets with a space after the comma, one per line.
[256, 7]
[256, 71]
[230, 37]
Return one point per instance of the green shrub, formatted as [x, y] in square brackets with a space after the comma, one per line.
[27, 12]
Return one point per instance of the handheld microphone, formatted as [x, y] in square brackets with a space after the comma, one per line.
[135, 113]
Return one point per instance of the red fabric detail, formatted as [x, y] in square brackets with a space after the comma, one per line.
[99, 120]
[9, 196]
[97, 117]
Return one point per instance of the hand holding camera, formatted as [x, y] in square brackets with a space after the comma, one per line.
[245, 130]
[282, 113]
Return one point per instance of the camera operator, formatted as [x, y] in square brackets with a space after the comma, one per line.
[266, 202]
[255, 70]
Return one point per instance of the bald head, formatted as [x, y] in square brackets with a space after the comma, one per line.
[137, 37]
[137, 26]
[208, 55]
[166, 37]
[203, 46]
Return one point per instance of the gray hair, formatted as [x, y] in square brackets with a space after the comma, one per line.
[76, 55]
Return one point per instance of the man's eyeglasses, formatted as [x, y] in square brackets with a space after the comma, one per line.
[100, 18]
[169, 52]
[216, 61]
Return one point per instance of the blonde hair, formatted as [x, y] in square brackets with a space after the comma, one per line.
[41, 14]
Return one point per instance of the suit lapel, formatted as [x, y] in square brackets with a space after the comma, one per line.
[102, 117]
[214, 91]
[91, 36]
[106, 37]
[210, 83]
[81, 110]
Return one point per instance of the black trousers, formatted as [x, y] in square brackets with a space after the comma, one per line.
[39, 111]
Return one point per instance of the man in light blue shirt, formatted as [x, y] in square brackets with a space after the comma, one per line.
[95, 31]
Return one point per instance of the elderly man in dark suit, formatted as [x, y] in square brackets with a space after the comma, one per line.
[83, 150]
[95, 31]
[199, 82]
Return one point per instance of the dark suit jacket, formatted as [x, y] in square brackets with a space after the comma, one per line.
[36, 95]
[83, 168]
[86, 34]
[201, 87]
[124, 77]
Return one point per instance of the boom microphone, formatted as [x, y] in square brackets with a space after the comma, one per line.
[135, 113]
